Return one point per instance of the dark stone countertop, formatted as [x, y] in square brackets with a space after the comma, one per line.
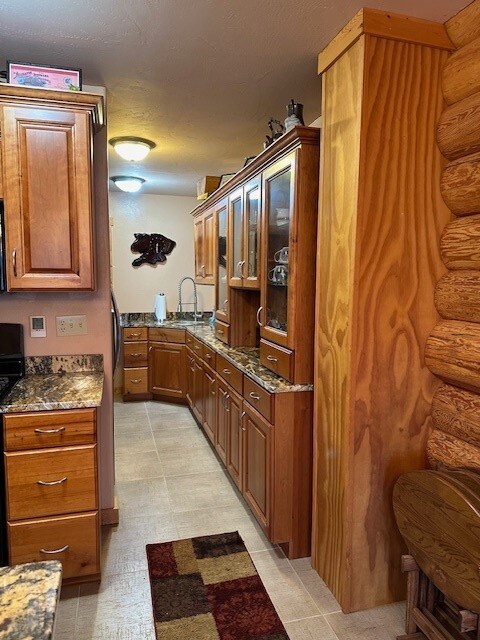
[244, 358]
[28, 600]
[54, 391]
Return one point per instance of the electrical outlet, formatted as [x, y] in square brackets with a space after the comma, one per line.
[71, 325]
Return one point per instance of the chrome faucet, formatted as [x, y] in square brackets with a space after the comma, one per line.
[181, 304]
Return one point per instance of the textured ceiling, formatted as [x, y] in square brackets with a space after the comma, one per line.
[199, 77]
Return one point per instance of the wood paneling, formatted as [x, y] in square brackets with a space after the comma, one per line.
[465, 25]
[27, 498]
[48, 429]
[383, 25]
[457, 412]
[460, 185]
[445, 450]
[460, 243]
[342, 87]
[457, 296]
[457, 131]
[452, 353]
[48, 198]
[460, 77]
[381, 215]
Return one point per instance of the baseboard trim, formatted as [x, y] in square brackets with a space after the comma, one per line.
[110, 516]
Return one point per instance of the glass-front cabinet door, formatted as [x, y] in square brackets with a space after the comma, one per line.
[252, 235]
[222, 303]
[236, 261]
[278, 185]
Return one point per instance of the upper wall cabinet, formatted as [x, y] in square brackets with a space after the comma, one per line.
[222, 303]
[47, 188]
[205, 247]
[245, 234]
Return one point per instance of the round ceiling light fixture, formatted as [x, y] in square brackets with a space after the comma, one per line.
[129, 184]
[132, 148]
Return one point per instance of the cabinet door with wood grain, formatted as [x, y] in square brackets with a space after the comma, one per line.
[235, 438]
[167, 369]
[222, 420]
[257, 466]
[48, 198]
[210, 403]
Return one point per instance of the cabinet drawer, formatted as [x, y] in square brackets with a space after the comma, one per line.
[48, 429]
[189, 339]
[198, 348]
[135, 333]
[231, 374]
[50, 482]
[28, 541]
[258, 397]
[135, 354]
[167, 335]
[277, 359]
[222, 331]
[209, 355]
[135, 381]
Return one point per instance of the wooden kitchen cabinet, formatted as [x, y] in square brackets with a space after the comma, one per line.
[245, 236]
[258, 466]
[135, 364]
[222, 290]
[52, 502]
[166, 367]
[222, 420]
[47, 188]
[209, 403]
[234, 456]
[205, 247]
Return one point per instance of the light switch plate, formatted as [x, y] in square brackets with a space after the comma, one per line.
[71, 325]
[38, 327]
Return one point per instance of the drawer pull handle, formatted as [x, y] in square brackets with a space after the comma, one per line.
[196, 347]
[43, 483]
[59, 430]
[254, 396]
[259, 311]
[272, 359]
[14, 262]
[244, 413]
[135, 380]
[208, 356]
[220, 331]
[227, 372]
[134, 335]
[61, 550]
[137, 355]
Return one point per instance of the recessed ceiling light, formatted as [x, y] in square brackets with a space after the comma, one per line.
[130, 184]
[132, 148]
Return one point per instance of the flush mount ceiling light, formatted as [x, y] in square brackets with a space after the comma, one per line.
[130, 184]
[132, 148]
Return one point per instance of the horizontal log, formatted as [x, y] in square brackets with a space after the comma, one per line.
[444, 450]
[465, 25]
[458, 130]
[460, 243]
[461, 73]
[452, 353]
[457, 412]
[460, 185]
[457, 296]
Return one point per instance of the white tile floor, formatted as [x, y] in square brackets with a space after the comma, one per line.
[171, 485]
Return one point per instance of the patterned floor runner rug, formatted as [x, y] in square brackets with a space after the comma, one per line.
[207, 588]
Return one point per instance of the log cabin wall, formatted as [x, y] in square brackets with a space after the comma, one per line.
[381, 216]
[453, 349]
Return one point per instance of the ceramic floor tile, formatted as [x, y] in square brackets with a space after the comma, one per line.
[66, 614]
[137, 467]
[316, 628]
[133, 441]
[318, 590]
[199, 491]
[289, 596]
[118, 598]
[179, 440]
[177, 463]
[143, 497]
[381, 623]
